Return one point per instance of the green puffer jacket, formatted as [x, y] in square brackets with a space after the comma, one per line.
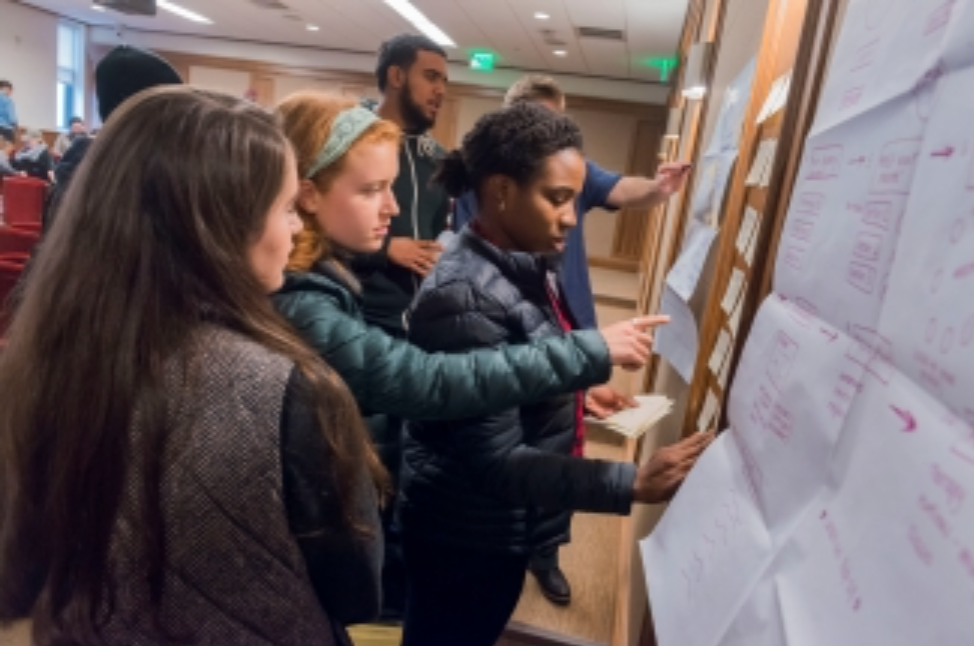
[389, 376]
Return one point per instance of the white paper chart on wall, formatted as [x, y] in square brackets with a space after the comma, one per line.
[835, 509]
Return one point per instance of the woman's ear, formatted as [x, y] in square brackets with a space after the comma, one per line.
[308, 196]
[498, 191]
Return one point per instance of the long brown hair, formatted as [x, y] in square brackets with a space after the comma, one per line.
[150, 245]
[307, 118]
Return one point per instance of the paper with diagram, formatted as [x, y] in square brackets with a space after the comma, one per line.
[851, 416]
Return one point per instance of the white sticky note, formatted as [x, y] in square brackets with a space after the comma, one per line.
[752, 246]
[722, 377]
[734, 321]
[734, 287]
[719, 354]
[770, 154]
[747, 229]
[708, 411]
[757, 166]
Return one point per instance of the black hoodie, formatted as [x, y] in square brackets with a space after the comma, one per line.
[424, 207]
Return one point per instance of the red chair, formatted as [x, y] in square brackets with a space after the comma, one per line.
[23, 200]
[17, 241]
[33, 227]
[9, 277]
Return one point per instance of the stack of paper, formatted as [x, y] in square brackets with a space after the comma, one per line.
[634, 422]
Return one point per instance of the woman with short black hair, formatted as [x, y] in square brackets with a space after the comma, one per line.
[475, 490]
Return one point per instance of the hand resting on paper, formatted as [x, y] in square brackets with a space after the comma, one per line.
[605, 401]
[630, 342]
[661, 476]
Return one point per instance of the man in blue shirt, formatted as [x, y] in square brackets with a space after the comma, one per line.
[602, 189]
[8, 112]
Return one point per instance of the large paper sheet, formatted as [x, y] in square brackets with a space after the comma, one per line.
[851, 411]
[704, 560]
[685, 274]
[678, 340]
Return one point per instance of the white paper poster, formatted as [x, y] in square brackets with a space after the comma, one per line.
[685, 274]
[677, 341]
[852, 414]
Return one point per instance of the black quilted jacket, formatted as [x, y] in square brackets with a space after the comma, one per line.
[480, 482]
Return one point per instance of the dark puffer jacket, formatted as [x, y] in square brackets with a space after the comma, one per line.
[389, 376]
[480, 482]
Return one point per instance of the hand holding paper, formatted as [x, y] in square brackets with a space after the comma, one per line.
[672, 177]
[604, 401]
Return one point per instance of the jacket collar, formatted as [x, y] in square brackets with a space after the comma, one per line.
[519, 267]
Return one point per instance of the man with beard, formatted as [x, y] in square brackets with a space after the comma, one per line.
[412, 77]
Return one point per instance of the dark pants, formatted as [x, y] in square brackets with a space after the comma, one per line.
[459, 597]
[8, 134]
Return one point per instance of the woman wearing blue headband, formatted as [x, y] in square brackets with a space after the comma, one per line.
[348, 160]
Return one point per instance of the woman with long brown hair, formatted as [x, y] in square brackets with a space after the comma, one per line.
[176, 465]
[348, 159]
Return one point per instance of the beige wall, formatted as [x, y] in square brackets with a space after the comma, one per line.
[232, 82]
[28, 59]
[608, 143]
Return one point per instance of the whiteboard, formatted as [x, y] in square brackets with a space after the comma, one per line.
[834, 510]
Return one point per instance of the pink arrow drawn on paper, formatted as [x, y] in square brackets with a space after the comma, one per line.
[907, 417]
[964, 271]
[857, 161]
[947, 152]
[832, 336]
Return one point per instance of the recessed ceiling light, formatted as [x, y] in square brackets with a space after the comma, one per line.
[97, 7]
[421, 22]
[313, 27]
[540, 15]
[183, 12]
[560, 52]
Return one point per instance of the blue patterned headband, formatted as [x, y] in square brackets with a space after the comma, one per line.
[348, 127]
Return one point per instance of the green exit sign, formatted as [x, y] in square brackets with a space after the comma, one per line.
[665, 65]
[483, 61]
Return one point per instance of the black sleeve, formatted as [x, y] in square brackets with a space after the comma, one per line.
[345, 568]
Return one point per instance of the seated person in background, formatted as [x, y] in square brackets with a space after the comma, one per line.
[124, 72]
[33, 158]
[474, 489]
[214, 482]
[64, 141]
[348, 159]
[6, 170]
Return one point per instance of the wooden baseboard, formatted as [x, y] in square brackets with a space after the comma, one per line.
[615, 301]
[615, 264]
[518, 634]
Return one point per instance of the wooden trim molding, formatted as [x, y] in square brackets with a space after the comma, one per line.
[615, 264]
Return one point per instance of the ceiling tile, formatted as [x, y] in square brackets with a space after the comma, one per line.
[604, 14]
[606, 57]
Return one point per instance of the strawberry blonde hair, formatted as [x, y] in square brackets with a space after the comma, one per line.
[307, 118]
